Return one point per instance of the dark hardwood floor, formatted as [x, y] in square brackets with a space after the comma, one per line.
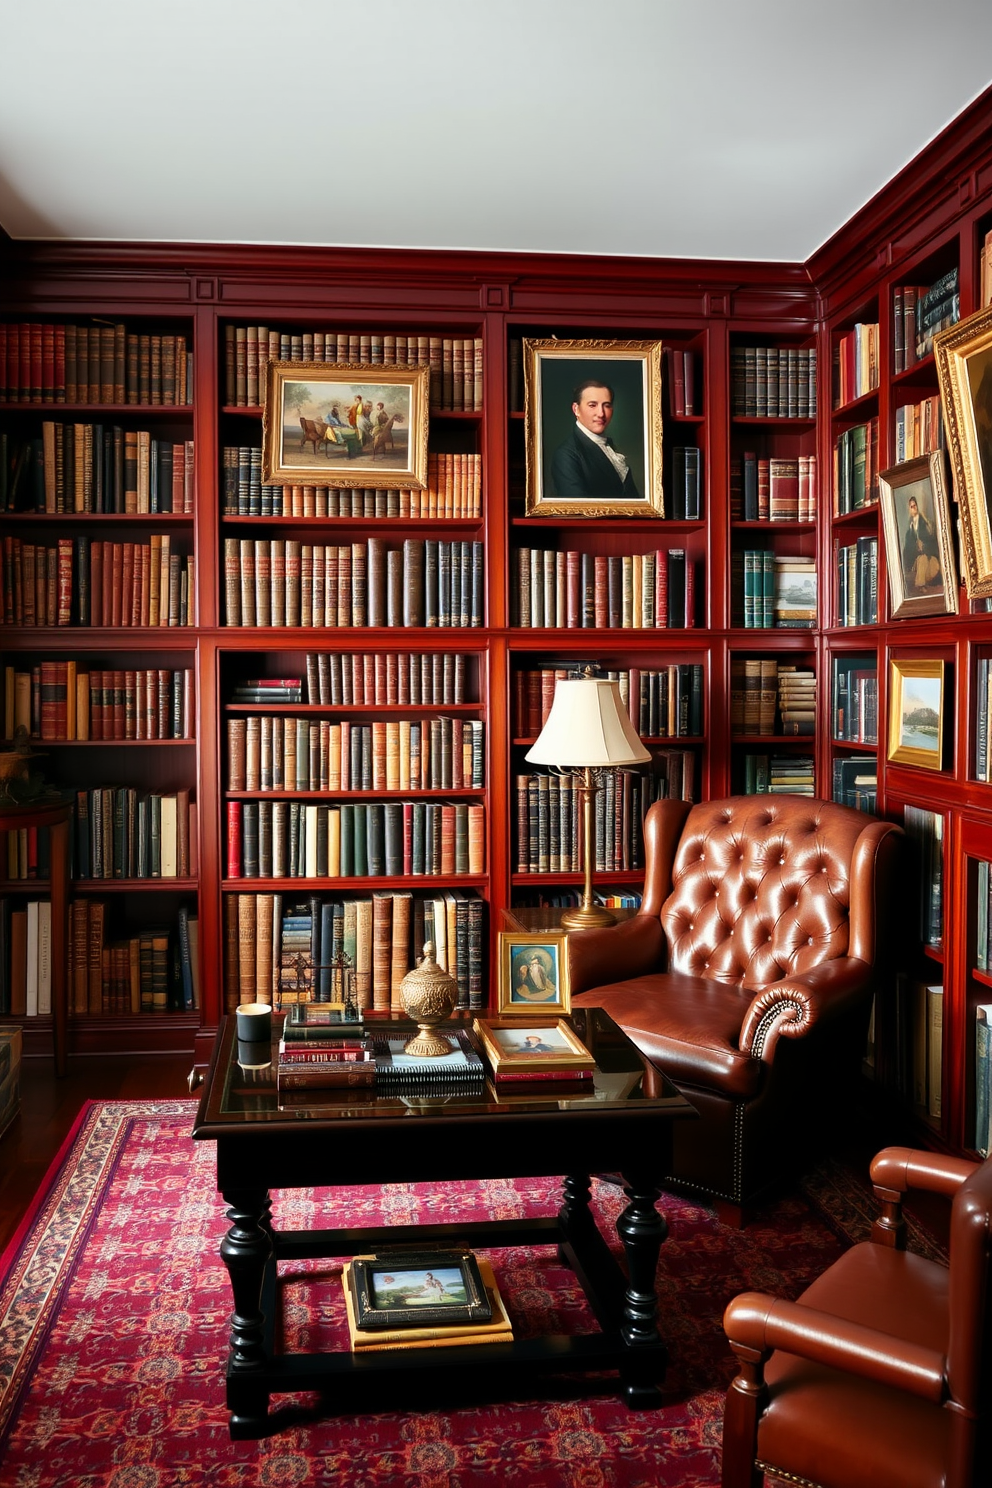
[49, 1106]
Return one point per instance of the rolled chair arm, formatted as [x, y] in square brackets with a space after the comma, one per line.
[790, 1008]
[597, 958]
[897, 1170]
[757, 1323]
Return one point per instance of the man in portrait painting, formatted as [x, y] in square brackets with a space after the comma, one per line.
[587, 465]
[920, 553]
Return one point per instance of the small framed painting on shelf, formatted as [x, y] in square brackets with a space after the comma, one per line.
[916, 713]
[327, 424]
[593, 428]
[919, 551]
[964, 370]
[533, 972]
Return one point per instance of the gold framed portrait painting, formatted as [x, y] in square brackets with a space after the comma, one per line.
[592, 411]
[919, 551]
[539, 1043]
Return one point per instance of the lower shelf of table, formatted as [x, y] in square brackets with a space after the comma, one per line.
[349, 1382]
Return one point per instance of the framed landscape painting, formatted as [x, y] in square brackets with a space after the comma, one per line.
[963, 354]
[327, 424]
[593, 428]
[919, 552]
[916, 713]
[407, 1289]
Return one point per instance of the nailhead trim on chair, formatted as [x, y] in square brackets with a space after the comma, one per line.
[787, 1477]
[770, 1018]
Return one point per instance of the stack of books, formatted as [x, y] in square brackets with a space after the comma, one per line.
[343, 1060]
[330, 1056]
[461, 1072]
[796, 699]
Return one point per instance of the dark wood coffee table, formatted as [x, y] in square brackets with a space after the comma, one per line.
[622, 1125]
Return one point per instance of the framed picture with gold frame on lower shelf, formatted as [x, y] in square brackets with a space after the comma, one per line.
[917, 705]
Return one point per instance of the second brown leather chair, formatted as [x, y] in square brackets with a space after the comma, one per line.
[747, 976]
[878, 1376]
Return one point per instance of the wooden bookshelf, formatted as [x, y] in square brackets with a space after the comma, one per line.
[706, 315]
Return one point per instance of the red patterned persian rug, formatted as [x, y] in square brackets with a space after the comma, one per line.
[114, 1308]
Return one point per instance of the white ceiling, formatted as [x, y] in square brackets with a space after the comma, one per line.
[747, 129]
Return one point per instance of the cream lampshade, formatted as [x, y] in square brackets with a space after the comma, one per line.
[588, 729]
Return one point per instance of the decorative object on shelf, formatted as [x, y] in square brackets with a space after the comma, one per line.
[254, 1022]
[552, 1045]
[18, 782]
[964, 370]
[919, 551]
[407, 1287]
[344, 424]
[916, 713]
[532, 972]
[593, 421]
[588, 731]
[428, 994]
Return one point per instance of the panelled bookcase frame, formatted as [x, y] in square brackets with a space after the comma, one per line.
[945, 195]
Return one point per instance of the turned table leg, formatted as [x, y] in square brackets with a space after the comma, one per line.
[246, 1250]
[642, 1230]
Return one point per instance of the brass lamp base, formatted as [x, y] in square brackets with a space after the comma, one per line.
[426, 1043]
[587, 917]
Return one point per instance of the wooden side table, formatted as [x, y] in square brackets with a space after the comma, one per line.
[54, 815]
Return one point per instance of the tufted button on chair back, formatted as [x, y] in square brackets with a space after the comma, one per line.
[761, 889]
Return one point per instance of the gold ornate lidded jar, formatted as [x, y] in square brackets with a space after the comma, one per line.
[428, 994]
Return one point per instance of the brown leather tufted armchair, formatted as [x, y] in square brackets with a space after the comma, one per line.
[878, 1376]
[747, 975]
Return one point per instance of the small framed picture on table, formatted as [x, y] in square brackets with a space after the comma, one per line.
[538, 1044]
[533, 973]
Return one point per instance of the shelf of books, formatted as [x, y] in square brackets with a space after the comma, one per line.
[977, 980]
[773, 718]
[355, 750]
[97, 510]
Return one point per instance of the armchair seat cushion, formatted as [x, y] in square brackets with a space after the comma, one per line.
[832, 1427]
[689, 1025]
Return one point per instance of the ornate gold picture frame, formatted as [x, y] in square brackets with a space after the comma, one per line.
[917, 704]
[593, 428]
[341, 424]
[963, 355]
[533, 974]
[919, 550]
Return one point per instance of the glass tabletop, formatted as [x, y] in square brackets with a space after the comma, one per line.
[245, 1091]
